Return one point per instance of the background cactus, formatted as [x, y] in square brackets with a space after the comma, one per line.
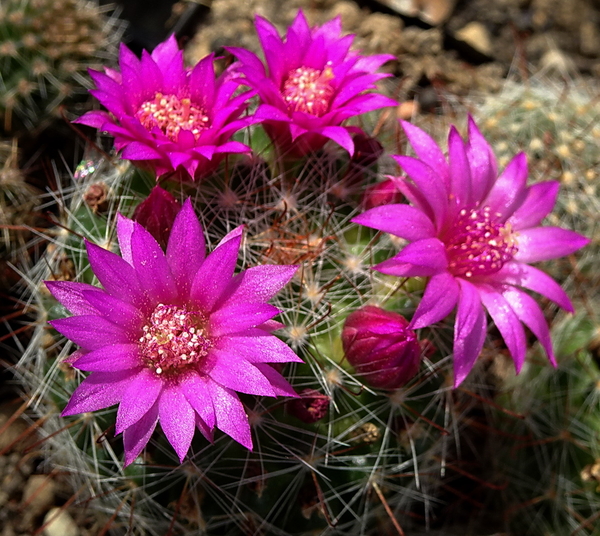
[46, 47]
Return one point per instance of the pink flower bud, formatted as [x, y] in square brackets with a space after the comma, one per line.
[381, 193]
[157, 213]
[380, 347]
[311, 407]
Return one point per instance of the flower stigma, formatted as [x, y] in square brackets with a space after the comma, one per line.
[174, 339]
[477, 244]
[172, 115]
[308, 90]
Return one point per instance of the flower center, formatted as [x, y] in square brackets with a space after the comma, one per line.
[172, 114]
[308, 90]
[478, 245]
[174, 339]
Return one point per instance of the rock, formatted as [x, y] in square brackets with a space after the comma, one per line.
[38, 494]
[408, 110]
[557, 62]
[58, 522]
[9, 436]
[477, 37]
[433, 12]
[350, 13]
[589, 37]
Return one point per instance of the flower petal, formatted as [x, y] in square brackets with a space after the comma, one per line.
[237, 317]
[70, 294]
[90, 332]
[113, 357]
[440, 297]
[428, 151]
[177, 419]
[151, 267]
[429, 183]
[460, 172]
[523, 275]
[421, 258]
[116, 275]
[404, 221]
[264, 348]
[339, 135]
[545, 243]
[196, 390]
[202, 82]
[215, 274]
[469, 331]
[529, 312]
[506, 321]
[257, 284]
[231, 371]
[136, 437]
[509, 190]
[138, 398]
[137, 150]
[125, 315]
[540, 200]
[482, 161]
[125, 228]
[279, 384]
[186, 248]
[230, 413]
[98, 391]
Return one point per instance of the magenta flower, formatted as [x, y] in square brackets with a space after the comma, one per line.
[313, 84]
[174, 335]
[381, 347]
[473, 234]
[166, 117]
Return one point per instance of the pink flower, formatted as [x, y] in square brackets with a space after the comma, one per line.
[381, 347]
[173, 336]
[473, 234]
[165, 117]
[313, 84]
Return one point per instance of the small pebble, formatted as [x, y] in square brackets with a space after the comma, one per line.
[59, 523]
[38, 494]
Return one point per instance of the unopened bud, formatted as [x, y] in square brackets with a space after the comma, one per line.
[380, 347]
[382, 193]
[311, 406]
[157, 213]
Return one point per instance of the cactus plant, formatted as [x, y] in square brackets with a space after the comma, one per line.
[344, 458]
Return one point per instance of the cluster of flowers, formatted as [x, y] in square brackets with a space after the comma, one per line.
[175, 335]
[171, 119]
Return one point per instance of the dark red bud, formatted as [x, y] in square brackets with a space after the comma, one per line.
[367, 150]
[380, 347]
[157, 213]
[311, 407]
[382, 193]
